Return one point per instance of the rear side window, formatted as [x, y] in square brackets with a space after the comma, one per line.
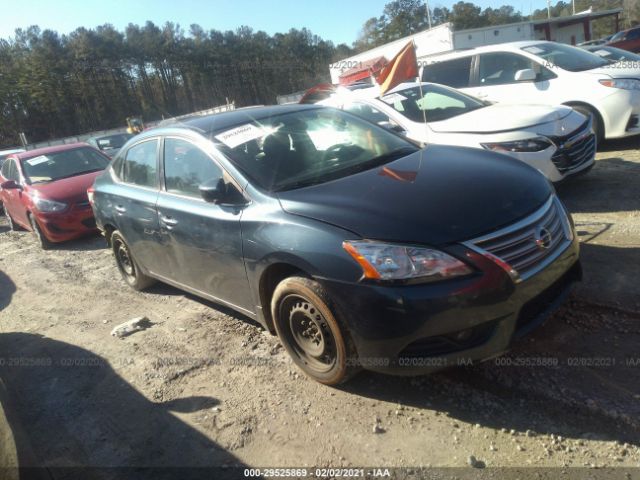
[454, 73]
[367, 112]
[186, 167]
[140, 164]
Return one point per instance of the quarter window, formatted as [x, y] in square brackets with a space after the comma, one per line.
[140, 164]
[186, 167]
[454, 73]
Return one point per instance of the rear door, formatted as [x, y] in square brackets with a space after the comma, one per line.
[134, 202]
[202, 241]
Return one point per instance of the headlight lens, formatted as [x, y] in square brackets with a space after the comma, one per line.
[623, 83]
[536, 144]
[48, 206]
[385, 261]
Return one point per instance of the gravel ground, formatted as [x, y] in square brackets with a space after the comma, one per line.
[203, 386]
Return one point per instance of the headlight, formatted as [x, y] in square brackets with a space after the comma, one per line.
[623, 83]
[48, 206]
[385, 261]
[536, 144]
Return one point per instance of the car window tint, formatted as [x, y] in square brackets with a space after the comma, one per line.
[633, 35]
[186, 167]
[454, 73]
[501, 68]
[6, 168]
[140, 165]
[367, 112]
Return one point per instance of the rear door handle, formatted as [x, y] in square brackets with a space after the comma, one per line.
[120, 209]
[170, 222]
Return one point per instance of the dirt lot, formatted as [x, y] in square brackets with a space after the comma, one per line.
[204, 386]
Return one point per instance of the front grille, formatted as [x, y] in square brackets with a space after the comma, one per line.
[531, 244]
[575, 149]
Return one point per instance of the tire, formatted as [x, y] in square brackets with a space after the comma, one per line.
[127, 265]
[12, 225]
[316, 340]
[41, 238]
[598, 128]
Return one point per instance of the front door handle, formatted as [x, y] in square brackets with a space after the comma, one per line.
[170, 222]
[120, 209]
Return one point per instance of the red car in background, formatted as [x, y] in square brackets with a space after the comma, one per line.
[45, 191]
[627, 40]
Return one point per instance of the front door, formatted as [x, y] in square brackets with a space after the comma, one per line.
[203, 240]
[12, 198]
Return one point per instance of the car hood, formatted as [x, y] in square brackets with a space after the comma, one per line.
[500, 118]
[436, 196]
[72, 189]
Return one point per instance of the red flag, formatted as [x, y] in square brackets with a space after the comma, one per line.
[402, 67]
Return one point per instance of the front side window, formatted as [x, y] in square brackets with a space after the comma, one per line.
[308, 147]
[501, 68]
[566, 57]
[140, 164]
[6, 169]
[58, 165]
[438, 103]
[186, 167]
[454, 73]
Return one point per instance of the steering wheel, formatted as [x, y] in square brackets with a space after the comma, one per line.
[332, 153]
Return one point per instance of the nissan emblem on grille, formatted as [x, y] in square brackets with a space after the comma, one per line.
[543, 237]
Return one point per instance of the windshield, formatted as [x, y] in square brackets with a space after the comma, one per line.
[113, 141]
[566, 57]
[614, 54]
[69, 163]
[308, 147]
[439, 103]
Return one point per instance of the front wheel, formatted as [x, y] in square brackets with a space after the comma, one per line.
[127, 265]
[598, 128]
[310, 332]
[41, 238]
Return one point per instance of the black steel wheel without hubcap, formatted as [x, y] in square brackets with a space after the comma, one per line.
[310, 330]
[127, 264]
[309, 334]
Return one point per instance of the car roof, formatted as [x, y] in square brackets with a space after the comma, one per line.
[11, 150]
[220, 121]
[498, 47]
[54, 149]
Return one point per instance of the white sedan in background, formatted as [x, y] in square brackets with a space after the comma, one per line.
[558, 141]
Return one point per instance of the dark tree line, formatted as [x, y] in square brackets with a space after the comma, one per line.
[55, 85]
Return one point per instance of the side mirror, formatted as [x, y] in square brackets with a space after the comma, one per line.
[9, 185]
[526, 75]
[214, 190]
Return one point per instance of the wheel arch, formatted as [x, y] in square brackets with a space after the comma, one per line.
[269, 280]
[598, 113]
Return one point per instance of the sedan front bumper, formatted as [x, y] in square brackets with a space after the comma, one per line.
[417, 329]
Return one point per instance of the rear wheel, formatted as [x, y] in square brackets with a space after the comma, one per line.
[128, 267]
[310, 332]
[42, 240]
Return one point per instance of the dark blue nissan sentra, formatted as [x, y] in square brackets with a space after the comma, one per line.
[356, 247]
